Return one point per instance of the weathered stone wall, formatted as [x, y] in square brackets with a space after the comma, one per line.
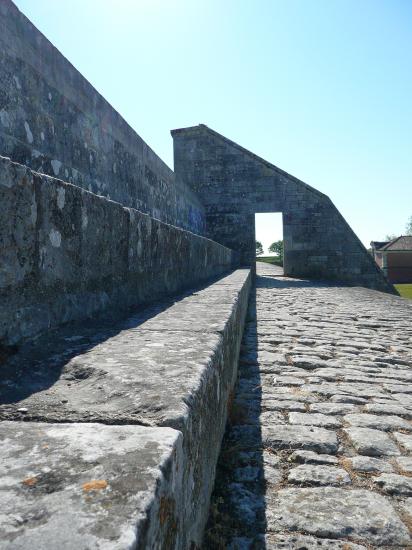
[67, 254]
[55, 122]
[234, 184]
[161, 379]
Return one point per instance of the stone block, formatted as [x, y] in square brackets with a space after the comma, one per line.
[90, 486]
[59, 237]
[18, 218]
[333, 512]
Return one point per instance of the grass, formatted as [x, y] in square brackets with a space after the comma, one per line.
[405, 290]
[270, 260]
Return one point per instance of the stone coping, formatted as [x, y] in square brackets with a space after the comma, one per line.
[88, 485]
[171, 366]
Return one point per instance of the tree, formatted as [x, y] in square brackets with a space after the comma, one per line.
[391, 237]
[277, 248]
[409, 226]
[259, 248]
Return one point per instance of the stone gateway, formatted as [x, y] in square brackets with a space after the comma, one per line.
[234, 184]
[137, 335]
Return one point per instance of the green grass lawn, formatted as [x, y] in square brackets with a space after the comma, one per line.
[404, 290]
[269, 260]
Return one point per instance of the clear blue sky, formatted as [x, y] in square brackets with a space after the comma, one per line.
[321, 88]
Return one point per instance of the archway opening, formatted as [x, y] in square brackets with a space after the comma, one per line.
[269, 238]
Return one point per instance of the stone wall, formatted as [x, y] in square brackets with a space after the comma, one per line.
[66, 254]
[55, 122]
[234, 184]
[121, 424]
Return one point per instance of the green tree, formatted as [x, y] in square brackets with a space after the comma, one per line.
[277, 248]
[259, 248]
[390, 237]
[409, 226]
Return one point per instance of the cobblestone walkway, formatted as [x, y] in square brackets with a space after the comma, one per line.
[318, 451]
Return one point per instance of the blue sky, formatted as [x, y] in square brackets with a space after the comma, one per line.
[321, 88]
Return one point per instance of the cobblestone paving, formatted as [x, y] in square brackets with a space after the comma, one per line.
[318, 450]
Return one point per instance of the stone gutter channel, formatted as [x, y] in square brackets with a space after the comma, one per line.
[318, 448]
[110, 433]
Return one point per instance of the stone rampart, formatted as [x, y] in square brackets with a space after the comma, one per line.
[234, 184]
[111, 425]
[55, 122]
[67, 254]
[71, 476]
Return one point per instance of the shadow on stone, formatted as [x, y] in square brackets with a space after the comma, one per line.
[237, 511]
[39, 363]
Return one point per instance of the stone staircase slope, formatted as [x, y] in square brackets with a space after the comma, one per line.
[318, 450]
[111, 433]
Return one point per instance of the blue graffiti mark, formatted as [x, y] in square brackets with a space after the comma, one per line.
[196, 220]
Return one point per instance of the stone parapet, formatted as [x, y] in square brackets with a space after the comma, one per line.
[162, 379]
[67, 254]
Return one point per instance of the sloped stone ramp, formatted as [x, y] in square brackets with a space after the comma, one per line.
[110, 431]
[317, 453]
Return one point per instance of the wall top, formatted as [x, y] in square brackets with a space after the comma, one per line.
[53, 121]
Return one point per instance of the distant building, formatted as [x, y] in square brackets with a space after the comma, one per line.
[395, 258]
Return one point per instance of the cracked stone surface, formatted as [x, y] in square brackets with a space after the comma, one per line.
[302, 542]
[310, 474]
[335, 513]
[369, 465]
[404, 440]
[335, 365]
[309, 457]
[395, 484]
[404, 464]
[371, 442]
